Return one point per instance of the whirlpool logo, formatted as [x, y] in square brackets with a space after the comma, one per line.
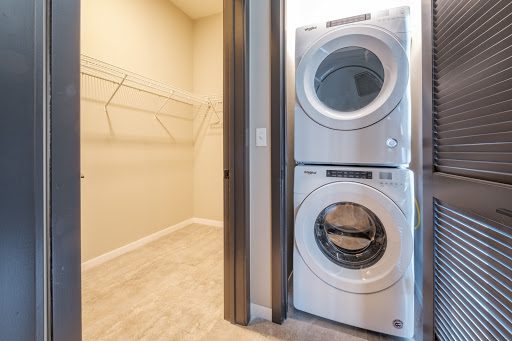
[310, 28]
[398, 324]
[309, 172]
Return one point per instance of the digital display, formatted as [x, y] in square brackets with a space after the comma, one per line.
[385, 176]
[349, 174]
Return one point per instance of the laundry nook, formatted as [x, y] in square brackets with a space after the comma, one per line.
[353, 194]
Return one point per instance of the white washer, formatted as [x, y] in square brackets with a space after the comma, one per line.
[352, 90]
[353, 250]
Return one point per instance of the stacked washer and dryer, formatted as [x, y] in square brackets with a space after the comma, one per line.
[353, 193]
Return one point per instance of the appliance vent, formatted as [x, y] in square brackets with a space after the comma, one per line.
[472, 272]
[472, 90]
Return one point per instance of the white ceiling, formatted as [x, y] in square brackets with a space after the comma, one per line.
[196, 9]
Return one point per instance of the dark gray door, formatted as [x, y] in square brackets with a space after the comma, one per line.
[471, 175]
[39, 189]
[22, 131]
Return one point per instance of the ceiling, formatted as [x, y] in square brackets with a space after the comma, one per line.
[196, 9]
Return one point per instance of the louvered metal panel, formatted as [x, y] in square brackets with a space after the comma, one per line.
[472, 272]
[472, 109]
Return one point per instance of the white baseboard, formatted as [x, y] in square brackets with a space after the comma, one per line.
[259, 311]
[209, 222]
[133, 245]
[145, 240]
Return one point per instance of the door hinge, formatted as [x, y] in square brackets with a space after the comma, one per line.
[226, 174]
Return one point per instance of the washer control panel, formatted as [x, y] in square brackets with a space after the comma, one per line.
[349, 174]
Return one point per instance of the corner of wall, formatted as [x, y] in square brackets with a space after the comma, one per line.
[208, 147]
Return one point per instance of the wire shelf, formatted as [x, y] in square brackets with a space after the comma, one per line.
[112, 85]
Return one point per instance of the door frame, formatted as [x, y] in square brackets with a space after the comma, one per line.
[63, 309]
[64, 249]
[236, 162]
[280, 201]
[427, 209]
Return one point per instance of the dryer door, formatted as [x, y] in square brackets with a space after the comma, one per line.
[353, 237]
[352, 77]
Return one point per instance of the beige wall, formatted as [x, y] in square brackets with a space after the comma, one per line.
[153, 38]
[136, 180]
[208, 80]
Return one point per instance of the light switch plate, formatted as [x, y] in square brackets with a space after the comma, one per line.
[261, 137]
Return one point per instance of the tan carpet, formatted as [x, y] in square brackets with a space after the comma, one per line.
[172, 289]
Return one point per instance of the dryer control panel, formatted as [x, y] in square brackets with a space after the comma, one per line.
[350, 20]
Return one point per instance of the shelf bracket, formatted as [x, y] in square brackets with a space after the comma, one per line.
[165, 128]
[114, 93]
[160, 121]
[212, 105]
[204, 118]
[164, 104]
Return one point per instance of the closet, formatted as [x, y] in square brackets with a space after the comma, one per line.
[151, 137]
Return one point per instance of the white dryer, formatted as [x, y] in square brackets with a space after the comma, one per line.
[353, 250]
[353, 92]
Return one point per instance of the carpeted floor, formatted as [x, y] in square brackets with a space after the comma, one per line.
[172, 289]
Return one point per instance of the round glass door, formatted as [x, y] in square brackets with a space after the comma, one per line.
[349, 79]
[352, 77]
[350, 235]
[353, 237]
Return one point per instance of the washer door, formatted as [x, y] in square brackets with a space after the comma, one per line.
[352, 77]
[353, 237]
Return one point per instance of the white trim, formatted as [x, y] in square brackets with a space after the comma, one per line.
[134, 245]
[91, 263]
[259, 311]
[209, 222]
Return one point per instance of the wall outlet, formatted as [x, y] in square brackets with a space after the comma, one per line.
[261, 137]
